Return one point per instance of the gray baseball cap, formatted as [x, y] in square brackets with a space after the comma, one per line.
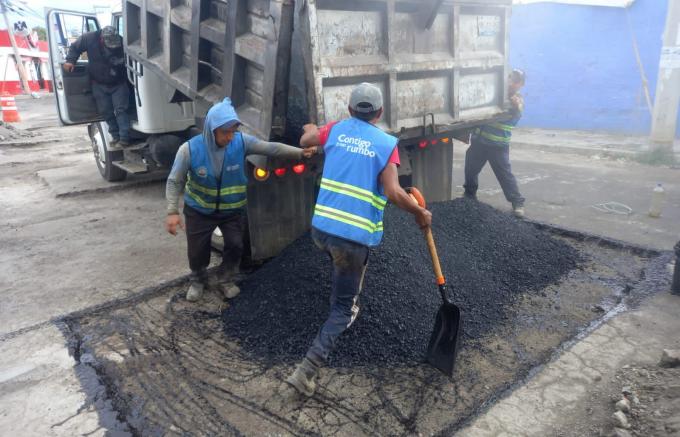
[111, 38]
[366, 98]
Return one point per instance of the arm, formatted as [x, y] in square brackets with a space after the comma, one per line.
[174, 187]
[390, 182]
[311, 136]
[255, 146]
[74, 52]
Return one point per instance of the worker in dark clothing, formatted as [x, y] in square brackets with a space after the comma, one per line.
[210, 169]
[106, 65]
[359, 176]
[491, 143]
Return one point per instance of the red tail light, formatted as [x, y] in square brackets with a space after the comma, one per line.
[422, 144]
[433, 142]
[280, 172]
[299, 168]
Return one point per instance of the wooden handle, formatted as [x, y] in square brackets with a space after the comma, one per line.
[433, 254]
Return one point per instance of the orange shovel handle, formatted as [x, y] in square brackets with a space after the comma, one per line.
[417, 197]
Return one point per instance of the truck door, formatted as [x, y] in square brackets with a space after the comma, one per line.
[73, 90]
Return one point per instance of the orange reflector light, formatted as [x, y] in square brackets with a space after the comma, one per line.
[422, 144]
[280, 172]
[299, 168]
[261, 174]
[445, 140]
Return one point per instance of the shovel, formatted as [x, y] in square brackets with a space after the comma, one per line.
[443, 345]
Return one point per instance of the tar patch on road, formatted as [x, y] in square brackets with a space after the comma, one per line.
[173, 368]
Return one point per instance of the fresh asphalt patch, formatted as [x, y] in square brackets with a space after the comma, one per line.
[170, 367]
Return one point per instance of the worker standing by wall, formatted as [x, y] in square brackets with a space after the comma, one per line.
[491, 143]
[359, 176]
[106, 65]
[210, 169]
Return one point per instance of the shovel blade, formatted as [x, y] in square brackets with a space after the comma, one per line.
[443, 345]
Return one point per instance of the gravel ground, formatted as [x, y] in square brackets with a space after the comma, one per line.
[490, 258]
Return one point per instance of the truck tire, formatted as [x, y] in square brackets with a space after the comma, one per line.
[103, 156]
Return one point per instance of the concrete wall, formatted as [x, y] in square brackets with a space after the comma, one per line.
[581, 67]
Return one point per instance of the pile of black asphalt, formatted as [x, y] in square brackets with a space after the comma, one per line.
[489, 258]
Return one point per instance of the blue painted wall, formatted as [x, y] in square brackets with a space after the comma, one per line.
[581, 67]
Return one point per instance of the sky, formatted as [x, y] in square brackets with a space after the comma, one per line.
[38, 6]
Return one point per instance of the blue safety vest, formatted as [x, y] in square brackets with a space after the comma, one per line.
[351, 202]
[208, 193]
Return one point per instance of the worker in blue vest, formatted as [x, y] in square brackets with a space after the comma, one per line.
[359, 177]
[209, 168]
[491, 143]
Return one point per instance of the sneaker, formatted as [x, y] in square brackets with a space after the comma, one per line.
[518, 211]
[230, 291]
[303, 377]
[123, 143]
[114, 141]
[195, 291]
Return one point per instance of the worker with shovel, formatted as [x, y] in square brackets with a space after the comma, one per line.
[359, 177]
[210, 170]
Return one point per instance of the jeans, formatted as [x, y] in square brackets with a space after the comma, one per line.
[349, 265]
[499, 158]
[112, 103]
[199, 229]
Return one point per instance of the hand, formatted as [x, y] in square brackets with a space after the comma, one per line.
[516, 101]
[68, 67]
[310, 151]
[172, 221]
[424, 218]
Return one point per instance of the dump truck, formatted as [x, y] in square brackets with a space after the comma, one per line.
[442, 66]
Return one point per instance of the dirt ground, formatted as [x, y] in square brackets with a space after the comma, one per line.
[72, 245]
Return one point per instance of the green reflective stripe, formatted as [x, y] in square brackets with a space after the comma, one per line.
[502, 126]
[493, 137]
[208, 205]
[195, 186]
[354, 191]
[347, 218]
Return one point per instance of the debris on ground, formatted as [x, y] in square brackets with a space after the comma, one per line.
[9, 132]
[670, 358]
[490, 259]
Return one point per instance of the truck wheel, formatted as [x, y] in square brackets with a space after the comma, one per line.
[103, 156]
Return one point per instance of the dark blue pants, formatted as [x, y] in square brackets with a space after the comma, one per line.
[499, 158]
[199, 229]
[112, 103]
[349, 265]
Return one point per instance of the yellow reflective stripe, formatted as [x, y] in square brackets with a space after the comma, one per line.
[493, 137]
[354, 191]
[237, 189]
[347, 218]
[208, 205]
[502, 126]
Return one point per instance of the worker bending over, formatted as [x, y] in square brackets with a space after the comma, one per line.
[491, 142]
[210, 169]
[359, 176]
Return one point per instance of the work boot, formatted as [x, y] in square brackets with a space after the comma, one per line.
[471, 196]
[230, 290]
[195, 291]
[303, 377]
[518, 211]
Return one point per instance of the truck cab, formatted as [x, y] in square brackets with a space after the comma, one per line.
[160, 122]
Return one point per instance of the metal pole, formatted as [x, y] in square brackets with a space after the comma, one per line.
[665, 114]
[675, 286]
[20, 65]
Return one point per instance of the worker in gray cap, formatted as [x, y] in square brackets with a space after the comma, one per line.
[359, 177]
[106, 66]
